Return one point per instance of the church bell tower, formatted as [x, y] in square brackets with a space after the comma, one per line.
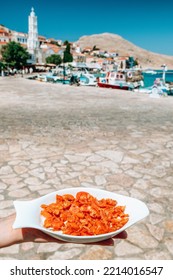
[33, 42]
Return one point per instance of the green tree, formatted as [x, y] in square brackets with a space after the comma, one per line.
[67, 54]
[95, 48]
[2, 66]
[131, 62]
[54, 58]
[15, 55]
[66, 42]
[55, 43]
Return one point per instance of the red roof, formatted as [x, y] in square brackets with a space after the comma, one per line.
[41, 37]
[53, 47]
[2, 31]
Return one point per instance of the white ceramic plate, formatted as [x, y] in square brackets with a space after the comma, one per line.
[28, 213]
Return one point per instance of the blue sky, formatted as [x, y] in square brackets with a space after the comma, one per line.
[147, 24]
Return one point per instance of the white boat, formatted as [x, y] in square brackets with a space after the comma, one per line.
[85, 78]
[47, 77]
[53, 77]
[150, 71]
[158, 88]
[126, 80]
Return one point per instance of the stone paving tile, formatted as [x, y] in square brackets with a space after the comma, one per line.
[50, 140]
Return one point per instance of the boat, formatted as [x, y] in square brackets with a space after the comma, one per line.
[88, 80]
[159, 87]
[85, 78]
[54, 77]
[47, 77]
[150, 71]
[126, 80]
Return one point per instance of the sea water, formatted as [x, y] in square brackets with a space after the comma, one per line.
[150, 78]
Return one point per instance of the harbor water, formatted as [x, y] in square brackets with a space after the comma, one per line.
[150, 78]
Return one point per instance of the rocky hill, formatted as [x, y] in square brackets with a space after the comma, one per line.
[108, 41]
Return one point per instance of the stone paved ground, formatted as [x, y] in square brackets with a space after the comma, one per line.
[57, 136]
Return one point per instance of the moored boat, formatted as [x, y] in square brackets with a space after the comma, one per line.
[159, 87]
[150, 71]
[85, 78]
[126, 80]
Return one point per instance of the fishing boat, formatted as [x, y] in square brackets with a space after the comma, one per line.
[126, 80]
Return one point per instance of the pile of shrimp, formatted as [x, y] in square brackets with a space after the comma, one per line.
[83, 215]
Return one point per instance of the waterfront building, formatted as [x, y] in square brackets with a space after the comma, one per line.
[19, 37]
[5, 35]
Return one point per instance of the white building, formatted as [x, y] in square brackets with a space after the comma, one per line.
[4, 34]
[33, 42]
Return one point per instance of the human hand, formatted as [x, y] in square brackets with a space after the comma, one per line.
[10, 236]
[35, 235]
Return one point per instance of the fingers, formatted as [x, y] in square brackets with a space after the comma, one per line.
[35, 235]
